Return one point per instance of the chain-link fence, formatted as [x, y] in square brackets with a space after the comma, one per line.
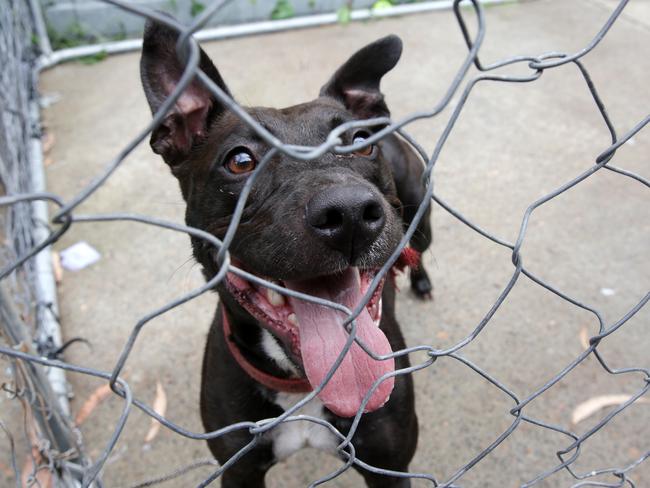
[26, 307]
[461, 87]
[16, 92]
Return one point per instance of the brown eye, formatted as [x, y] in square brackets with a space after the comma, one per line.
[360, 137]
[240, 161]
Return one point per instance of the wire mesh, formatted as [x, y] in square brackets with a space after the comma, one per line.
[16, 92]
[46, 432]
[461, 86]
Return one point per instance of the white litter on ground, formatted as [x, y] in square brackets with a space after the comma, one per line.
[608, 292]
[78, 256]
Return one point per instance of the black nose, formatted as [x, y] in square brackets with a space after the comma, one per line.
[346, 218]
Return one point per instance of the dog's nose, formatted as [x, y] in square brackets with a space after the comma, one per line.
[346, 218]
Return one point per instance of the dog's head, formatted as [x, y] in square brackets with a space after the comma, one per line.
[321, 227]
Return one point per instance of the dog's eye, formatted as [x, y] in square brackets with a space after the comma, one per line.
[360, 137]
[240, 161]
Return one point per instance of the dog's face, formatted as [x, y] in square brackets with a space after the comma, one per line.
[292, 227]
[321, 227]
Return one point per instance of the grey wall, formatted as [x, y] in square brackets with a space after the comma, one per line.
[81, 21]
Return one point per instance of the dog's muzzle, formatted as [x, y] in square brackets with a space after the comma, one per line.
[313, 335]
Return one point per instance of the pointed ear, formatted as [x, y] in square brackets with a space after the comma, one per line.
[356, 83]
[160, 71]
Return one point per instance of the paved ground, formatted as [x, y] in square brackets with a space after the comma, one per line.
[512, 144]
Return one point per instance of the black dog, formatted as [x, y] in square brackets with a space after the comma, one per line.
[321, 227]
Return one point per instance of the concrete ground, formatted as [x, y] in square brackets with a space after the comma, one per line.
[512, 144]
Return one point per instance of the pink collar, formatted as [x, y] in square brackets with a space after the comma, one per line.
[288, 385]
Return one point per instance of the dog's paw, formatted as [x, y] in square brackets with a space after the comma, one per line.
[421, 284]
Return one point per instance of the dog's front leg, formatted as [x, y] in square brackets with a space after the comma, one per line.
[229, 396]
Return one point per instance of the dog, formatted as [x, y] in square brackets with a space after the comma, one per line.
[322, 227]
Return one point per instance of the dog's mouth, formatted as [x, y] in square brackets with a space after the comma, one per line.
[314, 335]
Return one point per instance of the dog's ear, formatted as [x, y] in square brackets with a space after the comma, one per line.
[356, 83]
[160, 71]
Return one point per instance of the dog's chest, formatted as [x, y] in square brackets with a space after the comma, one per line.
[290, 437]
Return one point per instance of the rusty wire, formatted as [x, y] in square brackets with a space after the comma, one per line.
[188, 50]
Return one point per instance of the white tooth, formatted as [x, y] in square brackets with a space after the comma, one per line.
[292, 319]
[274, 298]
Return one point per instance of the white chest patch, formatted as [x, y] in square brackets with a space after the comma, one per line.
[289, 437]
[275, 352]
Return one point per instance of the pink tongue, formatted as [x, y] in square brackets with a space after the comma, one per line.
[322, 338]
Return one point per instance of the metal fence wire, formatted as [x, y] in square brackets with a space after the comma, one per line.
[16, 91]
[188, 50]
[46, 425]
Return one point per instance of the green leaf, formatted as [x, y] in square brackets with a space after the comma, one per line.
[344, 14]
[282, 10]
[196, 8]
[382, 4]
[94, 58]
[74, 35]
